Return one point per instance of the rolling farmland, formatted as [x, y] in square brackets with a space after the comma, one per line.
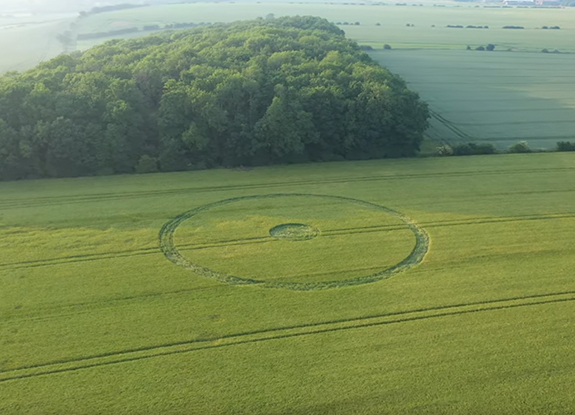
[515, 93]
[428, 31]
[273, 290]
[496, 97]
[418, 286]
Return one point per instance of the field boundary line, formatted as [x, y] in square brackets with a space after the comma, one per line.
[104, 197]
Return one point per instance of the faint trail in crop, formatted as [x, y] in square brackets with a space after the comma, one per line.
[79, 258]
[450, 125]
[279, 333]
[525, 137]
[267, 239]
[434, 85]
[536, 122]
[534, 108]
[120, 254]
[496, 220]
[312, 275]
[226, 243]
[168, 247]
[75, 309]
[19, 203]
[566, 81]
[416, 257]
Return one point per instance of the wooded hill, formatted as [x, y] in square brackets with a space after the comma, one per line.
[248, 93]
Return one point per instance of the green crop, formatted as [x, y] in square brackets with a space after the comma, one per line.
[95, 319]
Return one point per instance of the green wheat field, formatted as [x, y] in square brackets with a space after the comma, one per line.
[423, 286]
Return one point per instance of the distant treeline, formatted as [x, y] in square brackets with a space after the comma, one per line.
[466, 27]
[565, 146]
[249, 93]
[490, 47]
[148, 28]
[105, 9]
[474, 149]
[111, 33]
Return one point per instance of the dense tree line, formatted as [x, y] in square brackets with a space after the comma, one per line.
[258, 92]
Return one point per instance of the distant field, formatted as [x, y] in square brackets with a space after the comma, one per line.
[516, 93]
[498, 97]
[293, 289]
[27, 41]
[393, 20]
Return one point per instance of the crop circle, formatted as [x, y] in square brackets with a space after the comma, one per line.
[294, 241]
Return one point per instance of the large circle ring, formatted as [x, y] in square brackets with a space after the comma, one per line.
[300, 231]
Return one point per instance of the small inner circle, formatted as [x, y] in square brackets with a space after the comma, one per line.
[294, 232]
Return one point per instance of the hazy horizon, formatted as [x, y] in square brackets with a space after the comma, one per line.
[34, 6]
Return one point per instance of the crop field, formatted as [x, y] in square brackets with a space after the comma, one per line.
[512, 94]
[423, 286]
[27, 41]
[429, 23]
[496, 97]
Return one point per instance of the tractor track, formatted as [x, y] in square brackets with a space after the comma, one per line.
[278, 333]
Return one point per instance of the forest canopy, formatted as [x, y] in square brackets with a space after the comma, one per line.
[267, 91]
